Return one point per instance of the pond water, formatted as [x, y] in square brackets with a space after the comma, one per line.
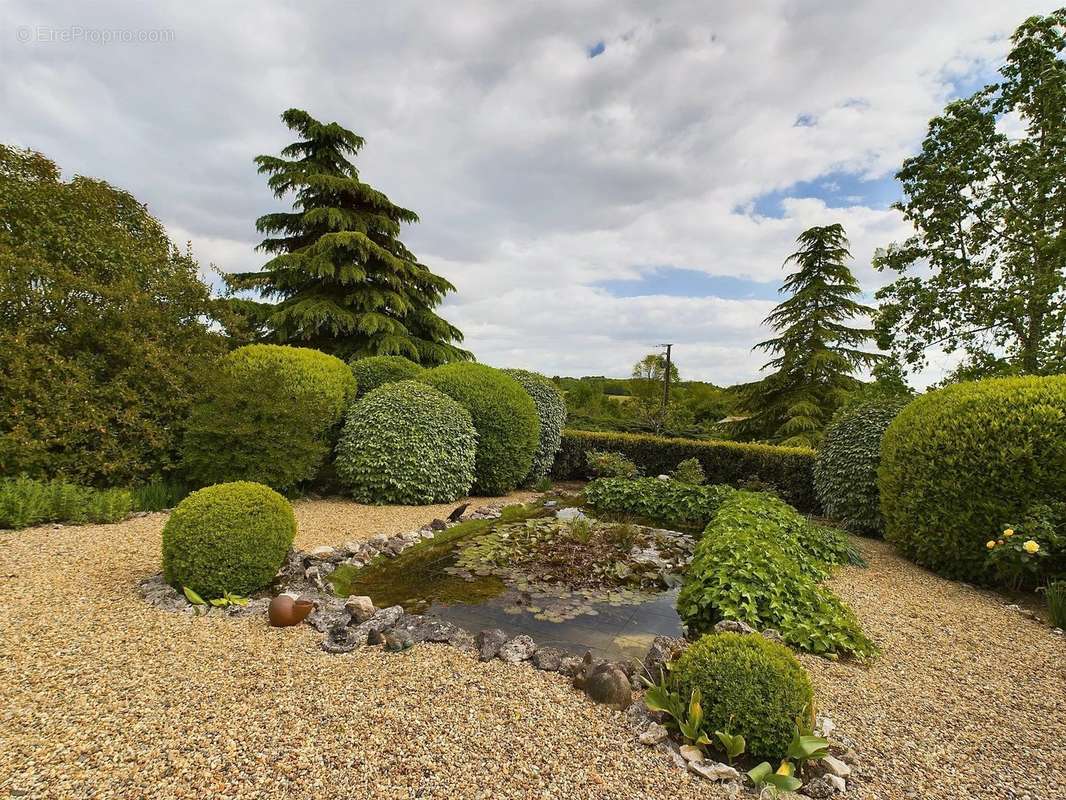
[614, 622]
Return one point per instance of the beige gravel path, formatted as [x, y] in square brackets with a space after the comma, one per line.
[105, 697]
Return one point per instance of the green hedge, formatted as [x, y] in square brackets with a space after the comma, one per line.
[374, 371]
[667, 502]
[761, 563]
[749, 685]
[271, 416]
[230, 537]
[960, 462]
[788, 469]
[407, 443]
[504, 416]
[551, 410]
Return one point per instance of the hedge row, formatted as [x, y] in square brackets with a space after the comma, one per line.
[788, 469]
[667, 502]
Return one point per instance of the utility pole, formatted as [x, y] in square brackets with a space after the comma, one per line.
[666, 383]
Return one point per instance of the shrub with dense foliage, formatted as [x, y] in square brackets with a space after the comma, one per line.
[845, 471]
[551, 411]
[690, 471]
[666, 502]
[749, 686]
[407, 443]
[504, 416]
[230, 537]
[25, 502]
[610, 464]
[105, 330]
[787, 469]
[270, 415]
[959, 462]
[761, 563]
[375, 371]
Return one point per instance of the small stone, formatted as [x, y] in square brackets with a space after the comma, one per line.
[375, 638]
[838, 783]
[824, 726]
[360, 607]
[663, 650]
[322, 553]
[398, 640]
[836, 767]
[518, 649]
[713, 771]
[663, 477]
[489, 642]
[550, 503]
[733, 626]
[849, 757]
[818, 788]
[570, 514]
[438, 525]
[547, 658]
[653, 734]
[774, 635]
[691, 753]
[341, 639]
[1058, 632]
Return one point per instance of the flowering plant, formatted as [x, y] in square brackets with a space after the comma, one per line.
[1022, 554]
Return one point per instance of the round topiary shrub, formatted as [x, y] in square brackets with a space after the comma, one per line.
[958, 463]
[551, 410]
[505, 419]
[748, 685]
[407, 443]
[271, 415]
[845, 471]
[374, 371]
[230, 537]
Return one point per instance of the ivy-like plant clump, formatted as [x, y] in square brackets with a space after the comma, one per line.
[505, 418]
[845, 472]
[761, 563]
[665, 502]
[407, 443]
[228, 538]
[551, 410]
[374, 371]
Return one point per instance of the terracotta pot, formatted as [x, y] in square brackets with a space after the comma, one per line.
[284, 611]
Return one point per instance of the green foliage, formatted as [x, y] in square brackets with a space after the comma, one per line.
[988, 207]
[690, 471]
[1031, 551]
[407, 443]
[610, 464]
[1055, 593]
[270, 415]
[959, 462]
[750, 686]
[105, 330]
[783, 779]
[733, 744]
[505, 418]
[25, 502]
[344, 281]
[230, 538]
[551, 410]
[787, 469]
[845, 471]
[374, 371]
[158, 494]
[815, 353]
[761, 563]
[665, 502]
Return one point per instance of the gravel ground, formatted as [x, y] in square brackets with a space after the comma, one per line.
[106, 697]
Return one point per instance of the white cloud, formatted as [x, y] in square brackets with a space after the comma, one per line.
[536, 170]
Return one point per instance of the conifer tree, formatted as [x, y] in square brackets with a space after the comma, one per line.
[815, 353]
[341, 279]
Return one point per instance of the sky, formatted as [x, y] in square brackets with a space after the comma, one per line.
[596, 177]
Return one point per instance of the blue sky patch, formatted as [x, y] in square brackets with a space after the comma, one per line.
[596, 49]
[676, 282]
[836, 190]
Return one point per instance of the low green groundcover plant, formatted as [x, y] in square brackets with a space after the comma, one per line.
[749, 686]
[665, 502]
[505, 418]
[610, 464]
[25, 502]
[761, 563]
[407, 443]
[551, 410]
[227, 538]
[374, 371]
[1056, 603]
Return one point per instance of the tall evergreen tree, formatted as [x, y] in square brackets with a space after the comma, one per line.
[342, 280]
[815, 353]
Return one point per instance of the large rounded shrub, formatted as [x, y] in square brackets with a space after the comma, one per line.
[845, 471]
[551, 410]
[748, 685]
[958, 463]
[271, 415]
[230, 537]
[505, 419]
[407, 443]
[374, 371]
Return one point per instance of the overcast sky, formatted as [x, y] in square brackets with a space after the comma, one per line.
[594, 177]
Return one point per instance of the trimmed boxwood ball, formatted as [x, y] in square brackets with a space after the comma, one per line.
[845, 471]
[504, 416]
[551, 410]
[230, 537]
[407, 443]
[271, 415]
[748, 685]
[958, 463]
[374, 371]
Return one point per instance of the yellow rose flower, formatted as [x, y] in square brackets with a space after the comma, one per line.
[1031, 546]
[1009, 532]
[991, 543]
